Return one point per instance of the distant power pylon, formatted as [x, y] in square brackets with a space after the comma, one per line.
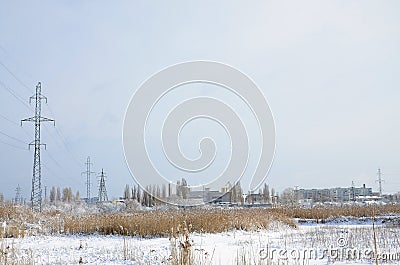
[36, 193]
[380, 180]
[18, 198]
[88, 183]
[102, 188]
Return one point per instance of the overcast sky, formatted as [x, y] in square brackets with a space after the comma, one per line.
[329, 69]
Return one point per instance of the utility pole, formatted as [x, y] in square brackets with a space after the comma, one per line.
[18, 198]
[88, 183]
[36, 193]
[102, 188]
[380, 180]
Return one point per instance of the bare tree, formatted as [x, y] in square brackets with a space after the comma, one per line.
[58, 194]
[164, 192]
[67, 195]
[77, 196]
[134, 193]
[185, 189]
[52, 194]
[273, 195]
[138, 195]
[178, 189]
[127, 192]
[158, 192]
[266, 193]
[250, 198]
[239, 193]
[70, 195]
[233, 195]
[64, 195]
[144, 199]
[147, 198]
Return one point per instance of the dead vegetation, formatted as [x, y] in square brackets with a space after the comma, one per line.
[323, 212]
[178, 226]
[22, 221]
[159, 223]
[181, 246]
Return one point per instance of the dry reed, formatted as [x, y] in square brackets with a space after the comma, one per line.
[159, 223]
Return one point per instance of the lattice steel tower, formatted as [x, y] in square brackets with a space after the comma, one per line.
[88, 183]
[102, 188]
[380, 180]
[36, 193]
[18, 197]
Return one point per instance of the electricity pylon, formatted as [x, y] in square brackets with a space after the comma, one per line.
[18, 198]
[36, 193]
[380, 180]
[102, 188]
[88, 183]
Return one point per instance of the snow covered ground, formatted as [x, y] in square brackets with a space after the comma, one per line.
[309, 244]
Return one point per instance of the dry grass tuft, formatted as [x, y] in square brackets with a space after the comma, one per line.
[181, 251]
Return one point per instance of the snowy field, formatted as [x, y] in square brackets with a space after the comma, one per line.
[332, 243]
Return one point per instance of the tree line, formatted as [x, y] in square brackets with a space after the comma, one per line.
[154, 195]
[64, 195]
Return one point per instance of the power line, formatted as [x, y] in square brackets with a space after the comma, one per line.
[52, 171]
[62, 146]
[12, 137]
[9, 120]
[14, 146]
[64, 142]
[19, 98]
[16, 78]
[9, 55]
[63, 139]
[15, 95]
[59, 165]
[14, 123]
[53, 159]
[59, 176]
